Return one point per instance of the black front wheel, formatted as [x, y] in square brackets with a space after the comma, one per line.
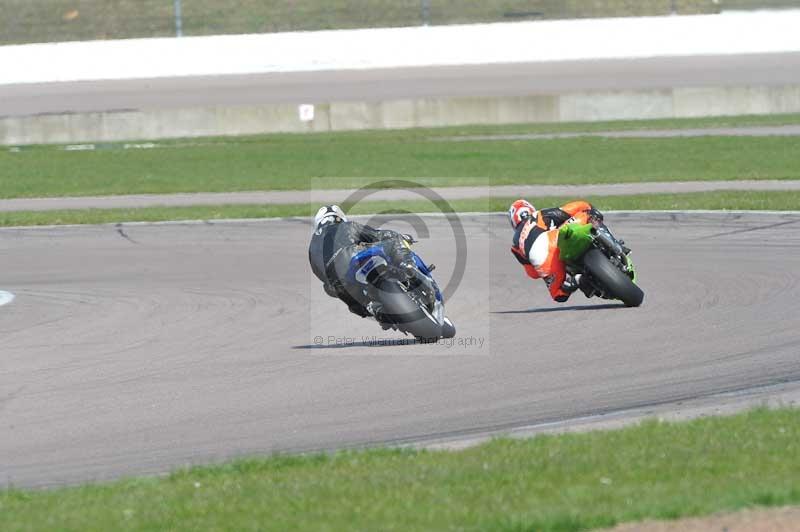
[616, 284]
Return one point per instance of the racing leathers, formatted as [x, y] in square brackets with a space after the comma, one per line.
[332, 247]
[535, 246]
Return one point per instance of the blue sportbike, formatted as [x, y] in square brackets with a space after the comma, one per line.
[411, 305]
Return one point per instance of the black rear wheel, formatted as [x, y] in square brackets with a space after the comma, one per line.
[401, 310]
[613, 280]
[448, 329]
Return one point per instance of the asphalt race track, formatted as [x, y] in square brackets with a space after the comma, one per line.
[401, 83]
[140, 348]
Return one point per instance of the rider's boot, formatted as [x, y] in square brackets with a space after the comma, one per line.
[584, 285]
[571, 283]
[407, 271]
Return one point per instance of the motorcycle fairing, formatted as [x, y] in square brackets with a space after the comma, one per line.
[364, 262]
[573, 241]
[423, 268]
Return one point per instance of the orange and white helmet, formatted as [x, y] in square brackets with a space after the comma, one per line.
[520, 211]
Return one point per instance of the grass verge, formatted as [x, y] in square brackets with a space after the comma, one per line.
[347, 160]
[561, 483]
[721, 200]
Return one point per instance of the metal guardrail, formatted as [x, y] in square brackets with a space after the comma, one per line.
[25, 21]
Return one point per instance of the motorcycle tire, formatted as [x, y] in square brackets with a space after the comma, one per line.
[407, 315]
[616, 283]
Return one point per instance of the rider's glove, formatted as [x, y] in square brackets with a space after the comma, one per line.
[408, 238]
[595, 215]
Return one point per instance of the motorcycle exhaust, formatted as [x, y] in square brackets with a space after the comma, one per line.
[608, 241]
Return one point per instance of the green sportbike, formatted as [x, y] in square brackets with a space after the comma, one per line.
[591, 250]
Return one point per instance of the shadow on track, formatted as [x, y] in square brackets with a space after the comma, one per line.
[378, 342]
[562, 309]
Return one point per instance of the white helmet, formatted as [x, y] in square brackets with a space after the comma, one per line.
[329, 214]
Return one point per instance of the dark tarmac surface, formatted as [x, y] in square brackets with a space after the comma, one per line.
[138, 349]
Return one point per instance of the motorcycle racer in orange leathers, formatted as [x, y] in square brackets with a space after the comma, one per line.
[535, 243]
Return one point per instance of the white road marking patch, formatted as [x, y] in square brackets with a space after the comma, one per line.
[144, 146]
[129, 146]
[6, 298]
[79, 147]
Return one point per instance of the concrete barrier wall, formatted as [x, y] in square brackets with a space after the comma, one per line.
[438, 112]
[552, 41]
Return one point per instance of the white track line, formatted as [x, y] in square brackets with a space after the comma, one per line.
[723, 403]
[266, 220]
[6, 298]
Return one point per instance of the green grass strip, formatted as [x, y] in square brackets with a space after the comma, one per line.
[721, 200]
[65, 20]
[351, 160]
[549, 483]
